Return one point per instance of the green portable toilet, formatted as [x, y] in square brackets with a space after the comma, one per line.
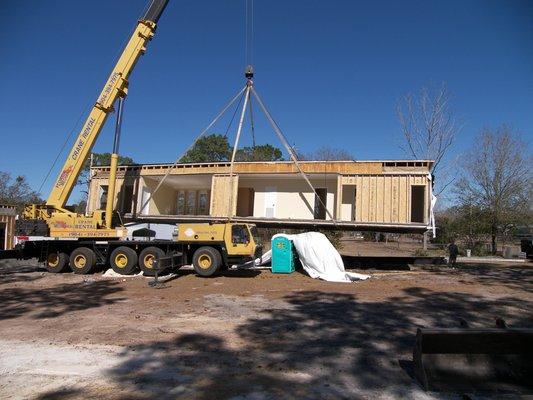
[282, 255]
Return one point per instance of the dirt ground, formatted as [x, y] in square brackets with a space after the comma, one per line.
[243, 335]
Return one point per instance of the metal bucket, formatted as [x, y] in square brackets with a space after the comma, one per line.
[474, 359]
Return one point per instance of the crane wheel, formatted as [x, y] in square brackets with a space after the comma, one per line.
[82, 260]
[123, 260]
[206, 261]
[147, 258]
[56, 262]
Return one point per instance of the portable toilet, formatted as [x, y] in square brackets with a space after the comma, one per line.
[282, 255]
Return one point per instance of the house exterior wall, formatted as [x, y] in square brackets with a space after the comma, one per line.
[293, 198]
[379, 192]
[386, 198]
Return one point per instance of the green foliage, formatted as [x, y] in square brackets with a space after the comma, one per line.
[479, 249]
[334, 237]
[267, 233]
[100, 159]
[16, 192]
[421, 253]
[264, 152]
[212, 148]
[468, 223]
[80, 206]
[215, 148]
[497, 179]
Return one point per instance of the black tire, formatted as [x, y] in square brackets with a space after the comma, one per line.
[206, 261]
[57, 262]
[147, 257]
[82, 260]
[123, 260]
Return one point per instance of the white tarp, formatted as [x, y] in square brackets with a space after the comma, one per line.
[432, 226]
[320, 259]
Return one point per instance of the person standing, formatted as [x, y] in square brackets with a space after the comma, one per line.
[453, 252]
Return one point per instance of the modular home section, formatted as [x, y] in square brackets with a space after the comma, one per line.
[381, 192]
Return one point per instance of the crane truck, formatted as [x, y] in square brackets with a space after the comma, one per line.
[61, 238]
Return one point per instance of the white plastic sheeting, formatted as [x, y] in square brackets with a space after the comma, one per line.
[162, 231]
[432, 226]
[320, 259]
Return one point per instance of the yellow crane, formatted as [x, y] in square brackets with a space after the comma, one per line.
[61, 222]
[68, 239]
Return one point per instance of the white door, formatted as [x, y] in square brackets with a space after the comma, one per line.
[271, 197]
[145, 195]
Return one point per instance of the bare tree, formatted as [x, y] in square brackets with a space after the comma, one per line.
[326, 153]
[429, 127]
[497, 178]
[16, 191]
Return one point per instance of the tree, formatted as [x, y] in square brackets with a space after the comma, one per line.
[212, 148]
[497, 178]
[99, 159]
[326, 153]
[215, 148]
[468, 223]
[16, 192]
[264, 152]
[429, 128]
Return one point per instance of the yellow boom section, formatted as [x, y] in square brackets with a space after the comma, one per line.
[116, 86]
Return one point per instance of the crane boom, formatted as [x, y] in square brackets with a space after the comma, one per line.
[58, 220]
[115, 87]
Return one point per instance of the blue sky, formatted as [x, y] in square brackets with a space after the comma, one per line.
[331, 72]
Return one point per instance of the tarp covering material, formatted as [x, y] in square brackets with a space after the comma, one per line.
[432, 226]
[320, 259]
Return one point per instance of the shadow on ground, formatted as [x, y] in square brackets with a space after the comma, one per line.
[57, 300]
[514, 277]
[19, 271]
[320, 346]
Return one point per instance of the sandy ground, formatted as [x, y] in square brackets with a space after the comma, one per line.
[244, 335]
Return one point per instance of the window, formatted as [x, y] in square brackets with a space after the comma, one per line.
[418, 196]
[102, 197]
[180, 203]
[190, 208]
[239, 234]
[192, 202]
[203, 203]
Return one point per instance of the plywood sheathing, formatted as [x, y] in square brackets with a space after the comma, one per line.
[220, 198]
[385, 198]
[275, 167]
[7, 218]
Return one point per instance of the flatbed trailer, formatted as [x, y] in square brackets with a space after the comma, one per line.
[208, 247]
[59, 253]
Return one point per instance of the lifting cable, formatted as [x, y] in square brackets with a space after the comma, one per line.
[228, 105]
[245, 93]
[249, 33]
[249, 55]
[233, 116]
[110, 65]
[67, 140]
[290, 150]
[252, 129]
